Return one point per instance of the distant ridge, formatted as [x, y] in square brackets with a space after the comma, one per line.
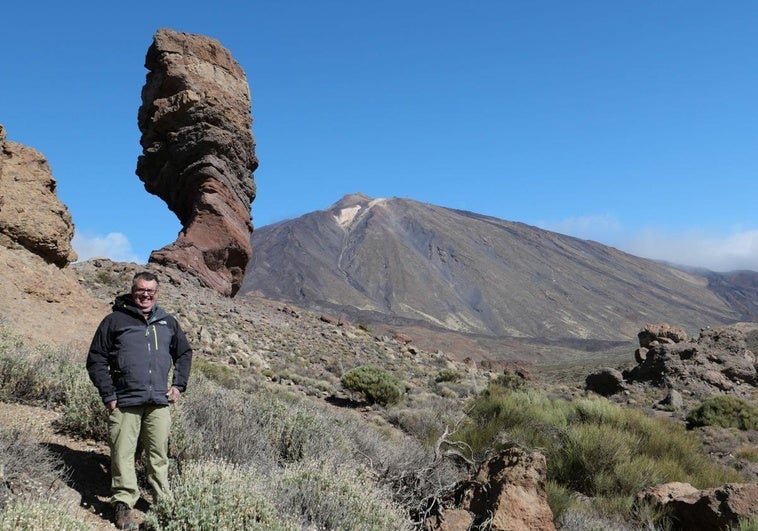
[409, 263]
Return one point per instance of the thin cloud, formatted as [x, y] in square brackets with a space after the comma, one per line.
[729, 252]
[114, 246]
[721, 252]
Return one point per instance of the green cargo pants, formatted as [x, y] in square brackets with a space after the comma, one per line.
[148, 425]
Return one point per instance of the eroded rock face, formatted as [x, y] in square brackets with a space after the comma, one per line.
[31, 215]
[199, 154]
[41, 298]
[717, 361]
[508, 491]
[694, 510]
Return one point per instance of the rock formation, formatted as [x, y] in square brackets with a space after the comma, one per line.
[694, 510]
[605, 381]
[31, 215]
[42, 300]
[199, 154]
[507, 493]
[718, 361]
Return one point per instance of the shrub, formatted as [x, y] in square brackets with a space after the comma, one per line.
[585, 519]
[376, 385]
[270, 430]
[592, 445]
[725, 411]
[210, 495]
[327, 497]
[748, 453]
[22, 458]
[84, 414]
[751, 340]
[31, 376]
[588, 456]
[447, 375]
[559, 498]
[38, 516]
[216, 372]
[260, 428]
[510, 380]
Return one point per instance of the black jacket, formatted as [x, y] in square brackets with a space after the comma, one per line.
[130, 356]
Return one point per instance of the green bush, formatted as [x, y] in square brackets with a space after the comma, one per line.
[38, 516]
[592, 446]
[48, 377]
[223, 375]
[725, 411]
[376, 385]
[748, 453]
[261, 428]
[272, 430]
[31, 376]
[559, 498]
[447, 375]
[327, 497]
[210, 495]
[84, 413]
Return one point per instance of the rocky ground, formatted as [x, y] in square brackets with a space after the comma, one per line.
[88, 488]
[280, 345]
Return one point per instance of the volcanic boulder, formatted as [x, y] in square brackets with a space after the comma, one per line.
[199, 154]
[718, 361]
[507, 493]
[693, 510]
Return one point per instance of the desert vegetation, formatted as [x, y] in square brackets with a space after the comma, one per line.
[251, 454]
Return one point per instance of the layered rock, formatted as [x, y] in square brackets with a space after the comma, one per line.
[199, 154]
[31, 215]
[42, 300]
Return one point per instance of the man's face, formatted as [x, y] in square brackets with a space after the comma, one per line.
[145, 292]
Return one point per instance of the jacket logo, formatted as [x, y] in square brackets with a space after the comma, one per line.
[162, 322]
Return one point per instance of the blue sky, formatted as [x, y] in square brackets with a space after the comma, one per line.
[630, 123]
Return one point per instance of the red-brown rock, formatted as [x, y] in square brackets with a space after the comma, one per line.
[199, 154]
[31, 215]
[508, 490]
[705, 510]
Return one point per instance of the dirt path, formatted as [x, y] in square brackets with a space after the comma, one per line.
[87, 461]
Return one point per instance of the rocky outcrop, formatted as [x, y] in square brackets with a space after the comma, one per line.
[31, 215]
[507, 493]
[660, 333]
[41, 299]
[718, 361]
[706, 510]
[606, 381]
[199, 154]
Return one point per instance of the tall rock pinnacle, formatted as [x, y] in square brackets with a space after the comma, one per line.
[199, 154]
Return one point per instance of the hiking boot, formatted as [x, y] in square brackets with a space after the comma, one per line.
[122, 516]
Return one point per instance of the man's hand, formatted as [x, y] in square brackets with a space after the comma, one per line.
[173, 394]
[111, 405]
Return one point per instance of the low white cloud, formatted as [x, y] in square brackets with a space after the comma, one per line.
[714, 250]
[113, 245]
[717, 252]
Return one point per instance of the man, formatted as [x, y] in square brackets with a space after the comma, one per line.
[129, 362]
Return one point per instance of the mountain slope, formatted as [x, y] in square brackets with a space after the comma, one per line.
[408, 263]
